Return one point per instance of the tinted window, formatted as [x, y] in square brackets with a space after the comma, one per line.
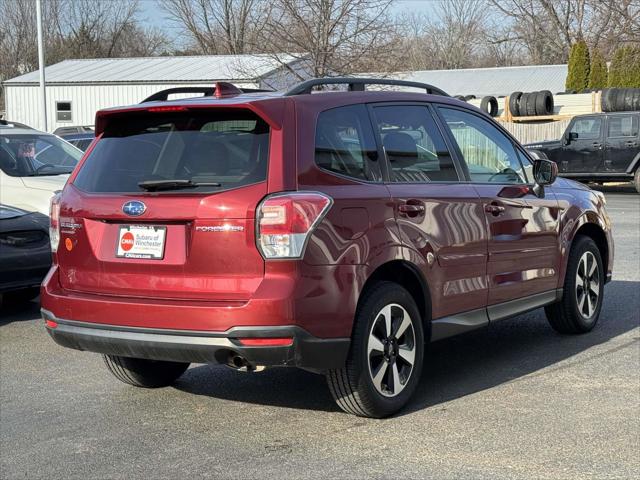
[587, 128]
[82, 144]
[414, 146]
[224, 149]
[345, 143]
[623, 126]
[489, 154]
[36, 155]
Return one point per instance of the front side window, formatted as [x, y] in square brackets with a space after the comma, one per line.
[623, 126]
[35, 155]
[587, 128]
[193, 152]
[345, 143]
[413, 144]
[489, 154]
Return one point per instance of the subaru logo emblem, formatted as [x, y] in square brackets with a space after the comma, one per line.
[134, 208]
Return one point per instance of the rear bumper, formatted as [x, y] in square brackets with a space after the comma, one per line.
[305, 351]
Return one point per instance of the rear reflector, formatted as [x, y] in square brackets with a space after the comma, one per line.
[267, 342]
[50, 323]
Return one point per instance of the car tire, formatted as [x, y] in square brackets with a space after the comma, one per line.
[636, 180]
[607, 100]
[621, 99]
[514, 103]
[629, 99]
[636, 100]
[544, 103]
[579, 308]
[489, 104]
[362, 387]
[531, 104]
[140, 372]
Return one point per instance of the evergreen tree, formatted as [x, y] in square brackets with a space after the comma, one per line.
[597, 71]
[625, 68]
[578, 74]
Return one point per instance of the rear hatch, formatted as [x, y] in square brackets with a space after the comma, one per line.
[164, 207]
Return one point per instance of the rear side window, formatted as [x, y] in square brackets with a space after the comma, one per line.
[345, 143]
[208, 150]
[623, 126]
[414, 146]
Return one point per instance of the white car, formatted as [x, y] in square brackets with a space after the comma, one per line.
[33, 166]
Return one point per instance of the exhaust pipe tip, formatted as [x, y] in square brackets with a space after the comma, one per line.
[241, 364]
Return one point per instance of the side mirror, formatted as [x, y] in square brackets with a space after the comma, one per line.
[545, 172]
[570, 137]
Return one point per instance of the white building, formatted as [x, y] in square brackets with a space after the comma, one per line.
[497, 81]
[76, 89]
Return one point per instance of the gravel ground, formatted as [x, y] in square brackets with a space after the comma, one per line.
[514, 401]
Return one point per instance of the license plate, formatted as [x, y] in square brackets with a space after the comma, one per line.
[141, 241]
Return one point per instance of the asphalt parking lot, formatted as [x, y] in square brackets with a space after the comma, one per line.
[514, 401]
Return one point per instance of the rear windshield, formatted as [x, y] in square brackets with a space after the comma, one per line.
[198, 151]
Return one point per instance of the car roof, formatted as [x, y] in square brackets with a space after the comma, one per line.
[261, 101]
[328, 98]
[5, 129]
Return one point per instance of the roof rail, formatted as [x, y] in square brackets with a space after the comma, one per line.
[358, 85]
[163, 95]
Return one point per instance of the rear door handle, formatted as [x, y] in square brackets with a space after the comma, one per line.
[494, 209]
[596, 145]
[630, 144]
[411, 209]
[408, 208]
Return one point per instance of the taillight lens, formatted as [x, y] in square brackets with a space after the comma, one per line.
[54, 222]
[285, 221]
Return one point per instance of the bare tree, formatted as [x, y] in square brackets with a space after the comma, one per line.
[332, 37]
[218, 26]
[73, 29]
[548, 28]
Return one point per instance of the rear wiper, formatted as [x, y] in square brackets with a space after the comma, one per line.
[156, 185]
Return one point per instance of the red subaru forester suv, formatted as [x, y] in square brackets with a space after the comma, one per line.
[334, 231]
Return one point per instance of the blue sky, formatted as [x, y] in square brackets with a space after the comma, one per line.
[152, 13]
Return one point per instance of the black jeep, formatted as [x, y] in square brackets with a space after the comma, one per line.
[601, 147]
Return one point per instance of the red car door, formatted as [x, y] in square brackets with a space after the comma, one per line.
[522, 228]
[439, 216]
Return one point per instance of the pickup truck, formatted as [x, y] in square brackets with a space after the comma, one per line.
[600, 147]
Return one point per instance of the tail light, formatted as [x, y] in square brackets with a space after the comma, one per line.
[286, 220]
[54, 222]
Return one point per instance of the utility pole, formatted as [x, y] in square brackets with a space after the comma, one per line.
[43, 91]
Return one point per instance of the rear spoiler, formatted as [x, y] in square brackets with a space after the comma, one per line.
[220, 90]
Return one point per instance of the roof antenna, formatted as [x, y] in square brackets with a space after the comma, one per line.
[226, 89]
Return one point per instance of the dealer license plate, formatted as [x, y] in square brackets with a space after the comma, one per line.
[141, 241]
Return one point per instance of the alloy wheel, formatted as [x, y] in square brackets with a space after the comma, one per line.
[391, 350]
[587, 285]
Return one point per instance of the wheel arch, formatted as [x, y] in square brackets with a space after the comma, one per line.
[635, 163]
[409, 277]
[594, 231]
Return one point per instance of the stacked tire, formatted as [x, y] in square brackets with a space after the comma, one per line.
[531, 104]
[489, 105]
[620, 100]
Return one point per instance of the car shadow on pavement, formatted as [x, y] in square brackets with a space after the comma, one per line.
[18, 312]
[453, 368]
